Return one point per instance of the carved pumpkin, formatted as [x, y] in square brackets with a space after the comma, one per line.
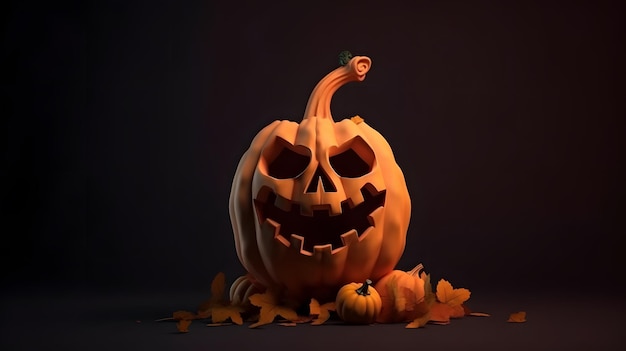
[318, 204]
[402, 295]
[358, 303]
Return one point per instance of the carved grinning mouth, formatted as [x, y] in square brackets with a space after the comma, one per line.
[320, 228]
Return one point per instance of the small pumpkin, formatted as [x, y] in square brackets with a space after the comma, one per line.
[358, 304]
[402, 296]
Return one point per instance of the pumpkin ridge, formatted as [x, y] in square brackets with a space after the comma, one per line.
[241, 205]
[392, 174]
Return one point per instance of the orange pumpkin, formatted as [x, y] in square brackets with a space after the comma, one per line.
[402, 295]
[358, 303]
[318, 204]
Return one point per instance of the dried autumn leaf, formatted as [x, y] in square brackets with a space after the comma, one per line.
[314, 307]
[405, 298]
[441, 313]
[216, 307]
[217, 292]
[183, 320]
[220, 314]
[270, 308]
[429, 296]
[321, 311]
[450, 296]
[469, 312]
[457, 311]
[204, 314]
[183, 315]
[300, 320]
[217, 287]
[303, 319]
[218, 324]
[183, 325]
[419, 322]
[287, 324]
[478, 314]
[517, 317]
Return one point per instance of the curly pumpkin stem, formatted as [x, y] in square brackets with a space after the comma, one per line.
[319, 101]
[364, 289]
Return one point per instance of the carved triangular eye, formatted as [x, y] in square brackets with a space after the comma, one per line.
[353, 159]
[285, 160]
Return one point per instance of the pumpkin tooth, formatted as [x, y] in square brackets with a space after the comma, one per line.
[376, 216]
[306, 211]
[357, 198]
[321, 210]
[271, 226]
[347, 205]
[322, 250]
[264, 194]
[369, 191]
[297, 243]
[282, 203]
[275, 225]
[349, 237]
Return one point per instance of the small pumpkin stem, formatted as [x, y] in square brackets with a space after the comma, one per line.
[319, 101]
[363, 290]
[416, 271]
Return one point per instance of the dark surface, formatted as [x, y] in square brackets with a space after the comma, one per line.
[123, 123]
[72, 321]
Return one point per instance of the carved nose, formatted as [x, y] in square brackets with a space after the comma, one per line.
[320, 175]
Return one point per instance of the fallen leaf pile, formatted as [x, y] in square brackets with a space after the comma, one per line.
[443, 304]
[270, 309]
[218, 309]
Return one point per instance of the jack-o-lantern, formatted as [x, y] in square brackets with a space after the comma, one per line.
[318, 204]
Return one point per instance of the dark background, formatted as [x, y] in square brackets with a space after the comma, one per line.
[124, 121]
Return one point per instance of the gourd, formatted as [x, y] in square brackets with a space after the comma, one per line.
[358, 303]
[241, 290]
[402, 295]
